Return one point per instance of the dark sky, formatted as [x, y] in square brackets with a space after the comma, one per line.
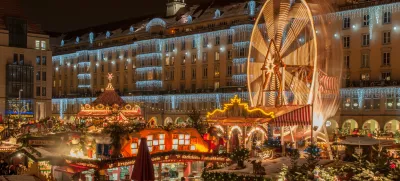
[68, 15]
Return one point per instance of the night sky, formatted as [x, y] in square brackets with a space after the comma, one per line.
[68, 15]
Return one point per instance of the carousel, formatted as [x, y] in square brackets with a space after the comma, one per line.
[108, 108]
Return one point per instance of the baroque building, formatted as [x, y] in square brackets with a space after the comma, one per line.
[195, 58]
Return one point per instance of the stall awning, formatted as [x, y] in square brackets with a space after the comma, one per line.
[297, 117]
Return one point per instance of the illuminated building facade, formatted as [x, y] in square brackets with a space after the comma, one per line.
[196, 58]
[25, 66]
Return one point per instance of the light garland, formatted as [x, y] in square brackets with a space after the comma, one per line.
[235, 128]
[254, 130]
[84, 76]
[143, 70]
[149, 84]
[155, 22]
[240, 79]
[236, 100]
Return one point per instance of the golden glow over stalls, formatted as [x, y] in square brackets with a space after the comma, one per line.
[237, 100]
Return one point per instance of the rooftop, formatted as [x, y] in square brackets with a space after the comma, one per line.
[198, 13]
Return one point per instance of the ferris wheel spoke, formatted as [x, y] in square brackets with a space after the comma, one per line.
[299, 55]
[281, 22]
[298, 24]
[260, 45]
[268, 15]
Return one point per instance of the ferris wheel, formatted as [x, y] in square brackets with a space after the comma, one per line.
[282, 61]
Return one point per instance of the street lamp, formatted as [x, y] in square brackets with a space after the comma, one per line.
[19, 99]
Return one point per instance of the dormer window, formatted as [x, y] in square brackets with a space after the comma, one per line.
[217, 13]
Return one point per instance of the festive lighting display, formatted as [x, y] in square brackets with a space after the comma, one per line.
[235, 128]
[239, 79]
[252, 8]
[144, 70]
[237, 100]
[84, 76]
[149, 84]
[155, 22]
[254, 130]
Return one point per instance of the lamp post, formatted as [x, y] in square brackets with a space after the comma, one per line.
[20, 106]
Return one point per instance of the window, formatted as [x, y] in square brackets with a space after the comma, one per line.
[346, 42]
[38, 75]
[217, 40]
[387, 17]
[241, 52]
[365, 60]
[37, 60]
[183, 44]
[205, 72]
[183, 59]
[44, 76]
[179, 140]
[365, 40]
[15, 59]
[134, 148]
[386, 58]
[216, 70]
[43, 45]
[194, 43]
[102, 67]
[43, 91]
[37, 44]
[347, 61]
[230, 54]
[366, 20]
[37, 91]
[17, 32]
[386, 37]
[166, 61]
[216, 56]
[216, 85]
[205, 41]
[365, 76]
[21, 59]
[229, 71]
[44, 60]
[183, 74]
[230, 39]
[109, 67]
[193, 73]
[205, 55]
[194, 58]
[346, 22]
[172, 74]
[385, 76]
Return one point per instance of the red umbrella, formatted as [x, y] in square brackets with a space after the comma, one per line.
[143, 169]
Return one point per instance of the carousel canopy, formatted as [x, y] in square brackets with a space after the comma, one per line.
[109, 103]
[109, 97]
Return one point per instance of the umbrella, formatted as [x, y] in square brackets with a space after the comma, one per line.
[143, 169]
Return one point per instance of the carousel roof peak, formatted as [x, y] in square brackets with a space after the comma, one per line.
[109, 96]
